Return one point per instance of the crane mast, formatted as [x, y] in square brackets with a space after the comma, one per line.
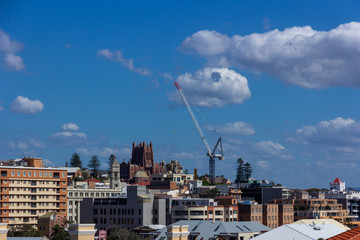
[212, 154]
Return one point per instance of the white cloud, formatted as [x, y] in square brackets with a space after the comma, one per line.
[15, 62]
[128, 63]
[25, 105]
[297, 55]
[8, 48]
[26, 144]
[335, 132]
[69, 134]
[70, 127]
[270, 149]
[213, 87]
[207, 43]
[263, 165]
[105, 152]
[48, 163]
[236, 128]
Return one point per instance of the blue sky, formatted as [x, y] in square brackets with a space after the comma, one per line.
[278, 80]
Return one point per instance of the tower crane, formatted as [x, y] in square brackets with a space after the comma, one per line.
[217, 151]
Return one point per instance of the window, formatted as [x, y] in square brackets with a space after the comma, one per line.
[19, 173]
[34, 173]
[24, 174]
[50, 174]
[63, 174]
[40, 174]
[29, 173]
[13, 173]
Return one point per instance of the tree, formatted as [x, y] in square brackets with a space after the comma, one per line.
[213, 193]
[111, 159]
[75, 161]
[240, 171]
[66, 164]
[59, 233]
[94, 165]
[24, 230]
[247, 171]
[120, 233]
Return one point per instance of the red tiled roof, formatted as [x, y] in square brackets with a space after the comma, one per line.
[353, 234]
[92, 180]
[337, 180]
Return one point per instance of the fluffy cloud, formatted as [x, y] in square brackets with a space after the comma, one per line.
[250, 151]
[70, 127]
[297, 55]
[118, 57]
[69, 134]
[236, 128]
[270, 149]
[213, 87]
[8, 48]
[336, 132]
[26, 144]
[105, 152]
[25, 105]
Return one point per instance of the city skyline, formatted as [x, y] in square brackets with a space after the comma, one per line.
[277, 80]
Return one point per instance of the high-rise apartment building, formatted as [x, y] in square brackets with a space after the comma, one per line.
[28, 190]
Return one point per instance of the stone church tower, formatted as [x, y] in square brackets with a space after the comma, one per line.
[115, 174]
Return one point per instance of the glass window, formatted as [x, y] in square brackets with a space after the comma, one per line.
[40, 174]
[13, 173]
[34, 173]
[19, 173]
[24, 173]
[29, 173]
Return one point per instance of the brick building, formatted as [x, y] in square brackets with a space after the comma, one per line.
[47, 221]
[29, 191]
[270, 215]
[251, 212]
[286, 214]
[142, 159]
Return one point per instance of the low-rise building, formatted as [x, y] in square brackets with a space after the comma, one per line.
[47, 221]
[270, 215]
[137, 208]
[316, 208]
[77, 194]
[186, 229]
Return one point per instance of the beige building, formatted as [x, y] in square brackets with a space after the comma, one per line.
[27, 192]
[76, 196]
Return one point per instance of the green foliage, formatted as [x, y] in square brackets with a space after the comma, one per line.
[120, 233]
[59, 233]
[247, 171]
[213, 193]
[94, 165]
[240, 171]
[313, 190]
[205, 182]
[75, 161]
[24, 230]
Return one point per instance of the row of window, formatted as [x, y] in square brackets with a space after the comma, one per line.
[30, 173]
[91, 194]
[122, 211]
[117, 221]
[30, 189]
